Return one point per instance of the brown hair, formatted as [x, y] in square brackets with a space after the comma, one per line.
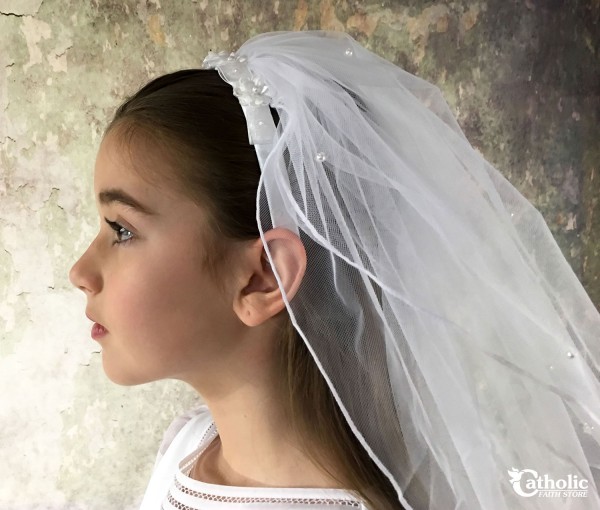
[197, 123]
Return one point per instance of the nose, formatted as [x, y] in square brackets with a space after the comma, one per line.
[84, 274]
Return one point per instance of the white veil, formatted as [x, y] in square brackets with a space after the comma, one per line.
[460, 346]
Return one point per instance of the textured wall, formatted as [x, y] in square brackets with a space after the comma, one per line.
[521, 75]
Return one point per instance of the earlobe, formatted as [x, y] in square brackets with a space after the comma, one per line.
[261, 298]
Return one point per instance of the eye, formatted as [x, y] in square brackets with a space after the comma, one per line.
[119, 229]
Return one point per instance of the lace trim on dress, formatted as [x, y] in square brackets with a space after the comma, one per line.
[185, 468]
[257, 499]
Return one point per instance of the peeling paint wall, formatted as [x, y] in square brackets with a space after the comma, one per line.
[521, 76]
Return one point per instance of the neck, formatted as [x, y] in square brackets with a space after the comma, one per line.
[255, 448]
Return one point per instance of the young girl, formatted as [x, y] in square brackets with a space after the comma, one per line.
[374, 317]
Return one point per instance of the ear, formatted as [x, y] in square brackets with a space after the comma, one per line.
[258, 297]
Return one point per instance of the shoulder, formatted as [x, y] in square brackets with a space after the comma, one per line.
[200, 413]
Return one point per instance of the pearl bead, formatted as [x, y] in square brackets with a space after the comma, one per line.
[570, 355]
[320, 156]
[249, 89]
[587, 428]
[349, 52]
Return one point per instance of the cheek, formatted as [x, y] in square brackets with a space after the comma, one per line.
[165, 303]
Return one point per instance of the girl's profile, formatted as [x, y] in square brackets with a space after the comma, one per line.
[373, 316]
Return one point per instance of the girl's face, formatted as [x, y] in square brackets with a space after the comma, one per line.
[144, 282]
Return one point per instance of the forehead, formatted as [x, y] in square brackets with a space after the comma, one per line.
[133, 168]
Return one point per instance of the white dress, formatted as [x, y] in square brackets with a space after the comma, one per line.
[170, 487]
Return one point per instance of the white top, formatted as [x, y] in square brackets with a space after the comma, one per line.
[170, 487]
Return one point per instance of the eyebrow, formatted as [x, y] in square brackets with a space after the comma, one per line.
[108, 196]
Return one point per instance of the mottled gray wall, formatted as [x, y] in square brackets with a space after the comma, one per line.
[521, 75]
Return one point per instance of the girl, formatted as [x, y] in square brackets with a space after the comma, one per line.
[373, 316]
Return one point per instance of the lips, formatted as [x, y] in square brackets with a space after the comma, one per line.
[98, 330]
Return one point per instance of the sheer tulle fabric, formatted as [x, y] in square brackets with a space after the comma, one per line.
[453, 333]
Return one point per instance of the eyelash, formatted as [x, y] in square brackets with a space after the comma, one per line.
[117, 228]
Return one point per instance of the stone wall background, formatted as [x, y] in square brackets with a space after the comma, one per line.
[522, 77]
